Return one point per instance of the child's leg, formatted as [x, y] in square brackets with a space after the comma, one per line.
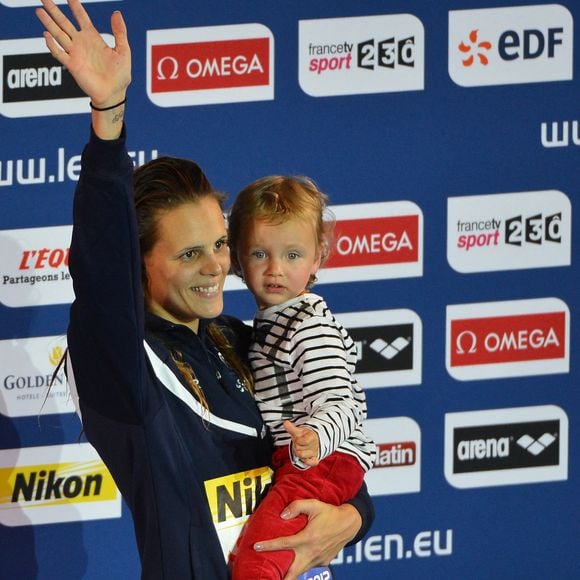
[326, 482]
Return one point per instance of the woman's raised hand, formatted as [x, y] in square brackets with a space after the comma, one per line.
[102, 72]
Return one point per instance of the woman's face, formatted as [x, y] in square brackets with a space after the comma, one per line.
[188, 264]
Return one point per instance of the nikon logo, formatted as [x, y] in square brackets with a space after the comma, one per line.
[232, 499]
[236, 499]
[50, 485]
[78, 487]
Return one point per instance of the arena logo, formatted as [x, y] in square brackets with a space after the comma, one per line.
[508, 339]
[364, 54]
[51, 484]
[208, 65]
[560, 134]
[398, 441]
[484, 233]
[34, 84]
[34, 267]
[506, 446]
[519, 44]
[389, 344]
[28, 387]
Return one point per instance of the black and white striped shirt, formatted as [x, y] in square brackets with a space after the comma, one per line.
[303, 362]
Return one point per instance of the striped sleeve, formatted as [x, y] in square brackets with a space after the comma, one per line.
[319, 358]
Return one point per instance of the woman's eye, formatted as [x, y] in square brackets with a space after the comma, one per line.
[189, 255]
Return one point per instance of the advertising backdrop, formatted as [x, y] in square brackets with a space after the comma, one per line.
[447, 137]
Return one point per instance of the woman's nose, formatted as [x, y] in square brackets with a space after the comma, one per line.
[211, 265]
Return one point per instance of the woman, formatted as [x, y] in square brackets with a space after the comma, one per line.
[162, 397]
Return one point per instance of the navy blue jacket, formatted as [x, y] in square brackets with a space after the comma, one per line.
[185, 476]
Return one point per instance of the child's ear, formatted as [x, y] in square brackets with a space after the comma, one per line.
[322, 254]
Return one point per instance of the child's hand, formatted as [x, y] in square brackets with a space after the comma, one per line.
[304, 442]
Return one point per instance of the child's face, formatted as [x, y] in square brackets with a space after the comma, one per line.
[277, 260]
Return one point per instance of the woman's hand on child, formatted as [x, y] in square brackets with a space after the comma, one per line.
[328, 530]
[305, 443]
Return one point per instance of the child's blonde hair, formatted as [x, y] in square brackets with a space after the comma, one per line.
[276, 199]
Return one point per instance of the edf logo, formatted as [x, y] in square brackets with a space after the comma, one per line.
[500, 46]
[531, 43]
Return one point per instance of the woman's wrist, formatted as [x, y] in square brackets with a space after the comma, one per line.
[107, 116]
[108, 107]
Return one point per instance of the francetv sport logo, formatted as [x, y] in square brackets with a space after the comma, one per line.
[364, 54]
[506, 446]
[508, 339]
[208, 65]
[509, 231]
[519, 44]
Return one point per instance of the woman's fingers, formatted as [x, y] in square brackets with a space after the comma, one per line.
[119, 29]
[55, 20]
[56, 50]
[81, 16]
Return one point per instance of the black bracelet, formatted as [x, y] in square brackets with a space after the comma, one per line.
[107, 108]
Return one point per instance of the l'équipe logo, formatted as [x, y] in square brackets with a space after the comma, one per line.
[509, 231]
[60, 483]
[397, 467]
[209, 65]
[364, 54]
[506, 446]
[34, 267]
[519, 44]
[372, 241]
[35, 84]
[26, 375]
[508, 339]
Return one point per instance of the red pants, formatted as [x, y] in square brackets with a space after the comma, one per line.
[334, 480]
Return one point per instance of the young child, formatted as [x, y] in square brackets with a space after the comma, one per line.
[303, 362]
